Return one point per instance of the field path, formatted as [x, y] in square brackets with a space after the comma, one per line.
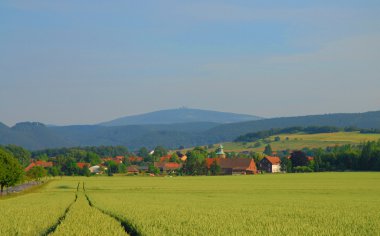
[128, 228]
[81, 218]
[62, 218]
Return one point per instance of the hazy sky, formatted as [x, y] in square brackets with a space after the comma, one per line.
[81, 62]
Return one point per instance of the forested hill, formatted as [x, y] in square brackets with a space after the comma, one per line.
[361, 120]
[32, 135]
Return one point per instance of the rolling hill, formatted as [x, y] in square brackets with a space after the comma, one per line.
[298, 141]
[33, 135]
[360, 120]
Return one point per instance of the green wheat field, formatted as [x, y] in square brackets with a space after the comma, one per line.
[271, 204]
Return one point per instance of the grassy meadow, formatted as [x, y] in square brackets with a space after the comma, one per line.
[301, 140]
[344, 203]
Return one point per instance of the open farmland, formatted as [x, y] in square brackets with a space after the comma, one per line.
[282, 204]
[300, 204]
[301, 140]
[36, 213]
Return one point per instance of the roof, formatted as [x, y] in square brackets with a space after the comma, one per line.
[82, 164]
[183, 158]
[233, 163]
[165, 158]
[132, 169]
[118, 159]
[168, 165]
[135, 159]
[39, 163]
[273, 160]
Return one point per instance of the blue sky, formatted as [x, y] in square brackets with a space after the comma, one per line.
[81, 62]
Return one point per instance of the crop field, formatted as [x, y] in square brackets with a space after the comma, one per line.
[271, 204]
[35, 213]
[299, 141]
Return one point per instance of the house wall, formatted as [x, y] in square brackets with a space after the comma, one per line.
[276, 168]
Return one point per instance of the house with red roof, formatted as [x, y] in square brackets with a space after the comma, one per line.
[229, 166]
[270, 164]
[168, 166]
[44, 164]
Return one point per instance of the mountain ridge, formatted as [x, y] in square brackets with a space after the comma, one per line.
[34, 135]
[180, 115]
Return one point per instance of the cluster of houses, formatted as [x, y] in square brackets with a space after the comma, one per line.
[228, 166]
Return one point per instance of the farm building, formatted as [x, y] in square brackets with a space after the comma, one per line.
[229, 166]
[270, 164]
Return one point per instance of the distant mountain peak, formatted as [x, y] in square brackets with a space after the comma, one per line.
[29, 124]
[180, 115]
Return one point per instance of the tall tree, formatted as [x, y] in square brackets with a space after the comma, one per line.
[21, 154]
[143, 152]
[299, 158]
[36, 173]
[286, 164]
[268, 150]
[10, 170]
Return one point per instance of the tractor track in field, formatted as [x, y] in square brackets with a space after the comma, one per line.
[127, 226]
[62, 218]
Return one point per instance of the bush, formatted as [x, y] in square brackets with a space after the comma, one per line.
[302, 169]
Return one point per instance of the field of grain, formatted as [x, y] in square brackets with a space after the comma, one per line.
[271, 204]
[299, 141]
[35, 213]
[297, 204]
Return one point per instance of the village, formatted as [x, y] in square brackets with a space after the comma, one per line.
[175, 163]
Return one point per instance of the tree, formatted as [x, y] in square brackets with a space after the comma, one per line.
[154, 170]
[268, 150]
[299, 158]
[21, 154]
[215, 168]
[196, 162]
[10, 170]
[53, 171]
[159, 151]
[143, 152]
[174, 158]
[286, 164]
[86, 171]
[112, 167]
[122, 168]
[36, 173]
[93, 158]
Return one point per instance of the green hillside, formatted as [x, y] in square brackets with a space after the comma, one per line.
[300, 140]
